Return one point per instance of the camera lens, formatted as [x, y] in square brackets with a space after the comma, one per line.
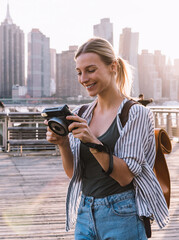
[59, 129]
[58, 126]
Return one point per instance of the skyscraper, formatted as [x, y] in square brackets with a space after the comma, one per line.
[176, 74]
[128, 50]
[150, 82]
[38, 80]
[104, 30]
[12, 66]
[67, 80]
[163, 72]
[176, 67]
[156, 78]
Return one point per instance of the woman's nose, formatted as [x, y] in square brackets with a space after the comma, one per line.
[84, 78]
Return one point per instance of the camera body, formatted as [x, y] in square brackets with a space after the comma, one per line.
[57, 121]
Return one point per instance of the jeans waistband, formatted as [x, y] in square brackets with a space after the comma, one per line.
[108, 199]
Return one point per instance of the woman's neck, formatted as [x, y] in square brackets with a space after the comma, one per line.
[109, 100]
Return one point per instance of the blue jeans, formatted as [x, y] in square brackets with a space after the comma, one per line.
[111, 218]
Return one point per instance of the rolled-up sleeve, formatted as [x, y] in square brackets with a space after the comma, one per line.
[135, 138]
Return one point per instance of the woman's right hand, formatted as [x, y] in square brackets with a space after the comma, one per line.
[55, 138]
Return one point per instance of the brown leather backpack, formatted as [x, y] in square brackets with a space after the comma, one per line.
[163, 146]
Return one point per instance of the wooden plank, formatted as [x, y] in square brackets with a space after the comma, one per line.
[33, 192]
[171, 231]
[33, 203]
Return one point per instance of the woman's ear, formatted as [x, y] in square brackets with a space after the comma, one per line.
[113, 67]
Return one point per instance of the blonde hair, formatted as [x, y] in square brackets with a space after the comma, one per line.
[105, 51]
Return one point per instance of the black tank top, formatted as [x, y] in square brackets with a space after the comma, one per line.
[94, 181]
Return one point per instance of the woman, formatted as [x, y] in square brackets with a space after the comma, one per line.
[109, 164]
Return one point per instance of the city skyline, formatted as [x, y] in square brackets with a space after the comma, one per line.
[42, 73]
[71, 22]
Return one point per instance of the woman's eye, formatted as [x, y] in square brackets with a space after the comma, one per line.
[79, 73]
[91, 70]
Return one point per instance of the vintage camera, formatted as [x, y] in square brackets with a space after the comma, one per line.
[57, 121]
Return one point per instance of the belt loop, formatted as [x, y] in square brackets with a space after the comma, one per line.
[106, 200]
[92, 201]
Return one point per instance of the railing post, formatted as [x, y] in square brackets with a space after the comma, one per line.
[5, 133]
[3, 130]
[177, 124]
[156, 119]
[169, 125]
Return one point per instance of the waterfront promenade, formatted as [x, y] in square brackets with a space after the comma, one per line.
[33, 191]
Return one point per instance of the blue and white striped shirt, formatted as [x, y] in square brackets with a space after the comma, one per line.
[136, 146]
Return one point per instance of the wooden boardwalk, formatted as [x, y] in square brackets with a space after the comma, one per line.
[32, 198]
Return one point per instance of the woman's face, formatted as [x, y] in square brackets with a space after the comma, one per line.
[93, 74]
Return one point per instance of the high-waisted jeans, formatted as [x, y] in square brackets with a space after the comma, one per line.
[110, 218]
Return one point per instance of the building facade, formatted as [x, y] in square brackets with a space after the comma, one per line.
[66, 75]
[38, 79]
[104, 30]
[176, 74]
[53, 55]
[18, 91]
[149, 80]
[12, 64]
[163, 72]
[176, 67]
[156, 77]
[128, 50]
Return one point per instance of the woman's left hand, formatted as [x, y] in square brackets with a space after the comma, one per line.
[81, 130]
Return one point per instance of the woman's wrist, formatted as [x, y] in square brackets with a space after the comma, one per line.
[100, 147]
[96, 150]
[64, 144]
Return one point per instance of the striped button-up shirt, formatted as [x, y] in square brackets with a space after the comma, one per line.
[136, 146]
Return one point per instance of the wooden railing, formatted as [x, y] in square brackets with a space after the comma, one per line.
[23, 131]
[15, 123]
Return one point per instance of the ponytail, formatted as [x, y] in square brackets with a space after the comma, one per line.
[124, 77]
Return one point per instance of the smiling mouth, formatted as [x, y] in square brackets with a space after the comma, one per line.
[90, 86]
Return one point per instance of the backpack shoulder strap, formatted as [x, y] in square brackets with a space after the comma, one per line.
[124, 115]
[82, 109]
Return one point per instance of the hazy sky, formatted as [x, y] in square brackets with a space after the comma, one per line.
[70, 22]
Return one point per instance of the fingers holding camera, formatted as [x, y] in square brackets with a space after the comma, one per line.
[49, 133]
[81, 130]
[76, 118]
[84, 134]
[51, 136]
[77, 125]
[45, 122]
[54, 138]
